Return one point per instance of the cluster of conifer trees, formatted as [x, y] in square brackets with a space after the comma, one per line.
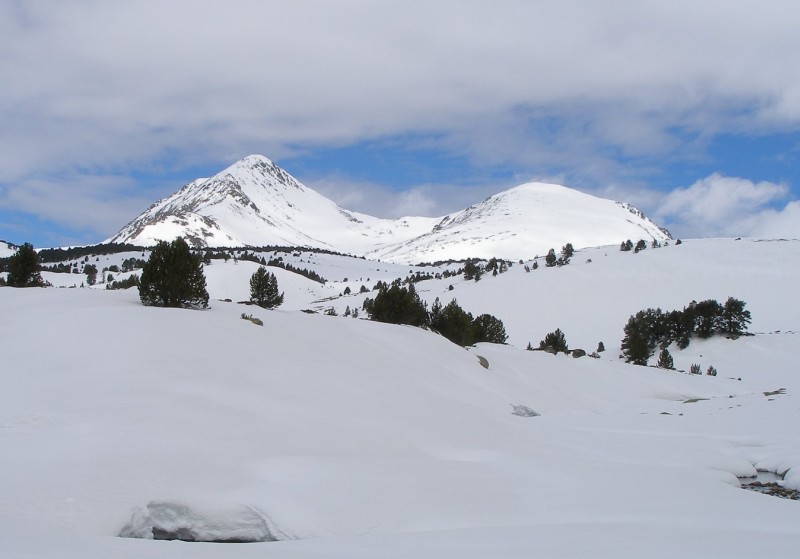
[652, 328]
[401, 305]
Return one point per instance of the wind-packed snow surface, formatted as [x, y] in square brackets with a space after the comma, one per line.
[342, 437]
[256, 203]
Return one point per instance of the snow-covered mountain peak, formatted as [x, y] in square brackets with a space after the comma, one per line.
[525, 221]
[256, 203]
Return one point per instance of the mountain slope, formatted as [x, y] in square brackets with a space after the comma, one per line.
[525, 221]
[6, 249]
[256, 203]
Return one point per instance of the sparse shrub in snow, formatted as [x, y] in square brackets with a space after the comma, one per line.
[640, 245]
[173, 277]
[694, 369]
[600, 347]
[251, 318]
[130, 281]
[264, 289]
[555, 341]
[331, 312]
[711, 371]
[626, 246]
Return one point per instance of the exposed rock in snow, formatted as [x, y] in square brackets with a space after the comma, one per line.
[523, 411]
[162, 520]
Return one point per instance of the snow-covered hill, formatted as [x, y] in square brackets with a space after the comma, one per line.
[256, 203]
[525, 221]
[6, 249]
[348, 438]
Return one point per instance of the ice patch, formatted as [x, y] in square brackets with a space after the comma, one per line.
[162, 520]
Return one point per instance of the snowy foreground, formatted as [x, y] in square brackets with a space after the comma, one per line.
[347, 438]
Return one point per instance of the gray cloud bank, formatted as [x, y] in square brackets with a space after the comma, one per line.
[101, 88]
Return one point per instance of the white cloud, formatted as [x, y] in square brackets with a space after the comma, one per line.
[726, 206]
[429, 200]
[784, 223]
[101, 83]
[102, 87]
[96, 204]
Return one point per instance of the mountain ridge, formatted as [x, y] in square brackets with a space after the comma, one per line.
[254, 202]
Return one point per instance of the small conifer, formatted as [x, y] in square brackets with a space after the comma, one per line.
[665, 360]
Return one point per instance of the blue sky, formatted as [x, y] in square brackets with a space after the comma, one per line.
[689, 110]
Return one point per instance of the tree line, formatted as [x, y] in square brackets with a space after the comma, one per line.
[651, 328]
[398, 304]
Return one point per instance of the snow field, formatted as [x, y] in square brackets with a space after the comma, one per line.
[360, 439]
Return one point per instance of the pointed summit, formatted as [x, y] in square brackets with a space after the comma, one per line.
[256, 203]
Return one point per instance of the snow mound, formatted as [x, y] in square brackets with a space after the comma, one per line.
[163, 520]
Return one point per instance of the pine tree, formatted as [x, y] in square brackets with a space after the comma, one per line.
[264, 289]
[665, 360]
[23, 268]
[734, 318]
[173, 277]
[488, 328]
[453, 322]
[91, 273]
[550, 260]
[556, 341]
[397, 305]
